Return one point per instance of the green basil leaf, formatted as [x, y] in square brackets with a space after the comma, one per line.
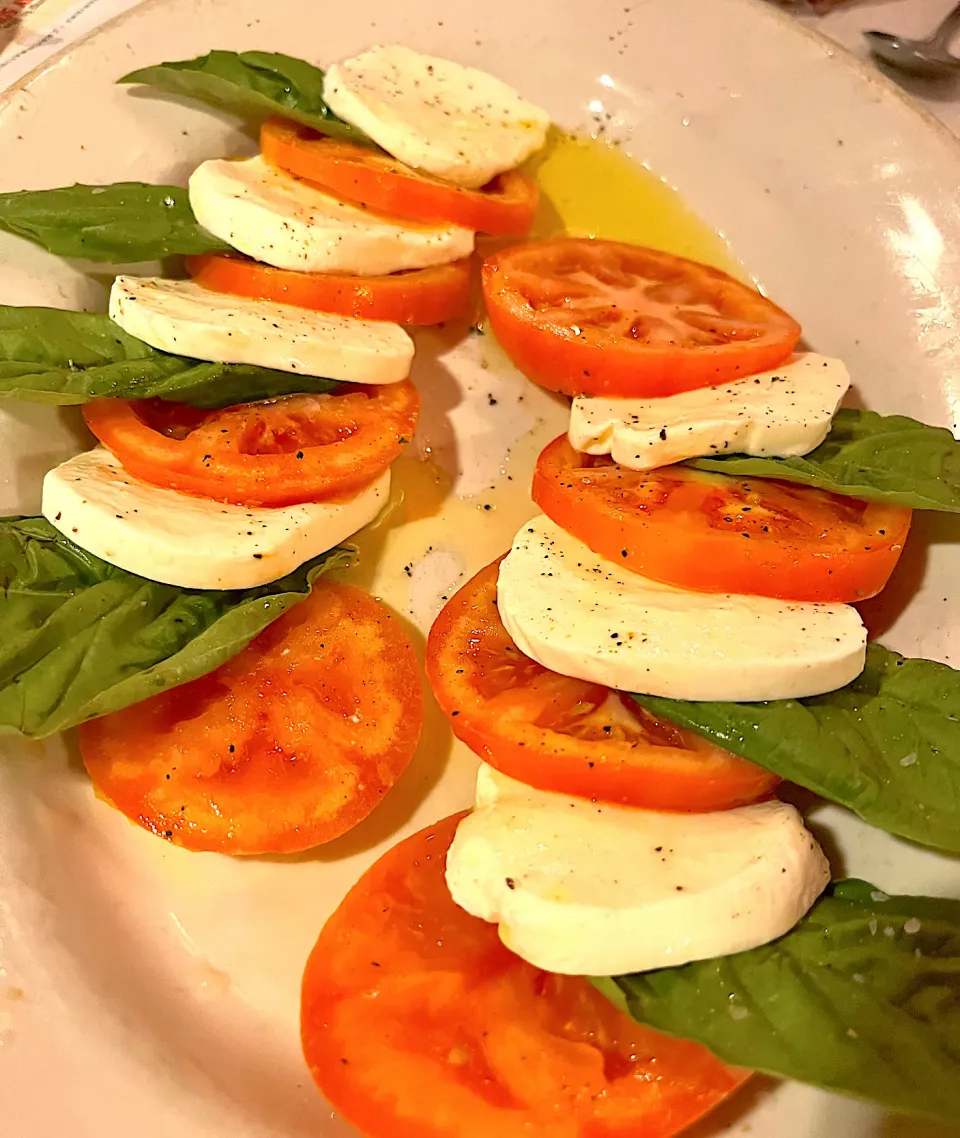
[862, 997]
[123, 223]
[80, 638]
[886, 746]
[50, 355]
[882, 458]
[254, 84]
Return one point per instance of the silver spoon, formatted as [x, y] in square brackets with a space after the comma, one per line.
[928, 58]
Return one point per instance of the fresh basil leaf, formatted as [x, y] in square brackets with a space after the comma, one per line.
[252, 84]
[123, 223]
[50, 355]
[80, 638]
[882, 458]
[887, 746]
[862, 997]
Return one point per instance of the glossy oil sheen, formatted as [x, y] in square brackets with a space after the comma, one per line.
[593, 188]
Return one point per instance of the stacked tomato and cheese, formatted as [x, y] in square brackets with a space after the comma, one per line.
[605, 840]
[337, 246]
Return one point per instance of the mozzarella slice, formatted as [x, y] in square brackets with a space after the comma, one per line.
[456, 122]
[291, 224]
[779, 413]
[583, 616]
[183, 318]
[193, 542]
[597, 890]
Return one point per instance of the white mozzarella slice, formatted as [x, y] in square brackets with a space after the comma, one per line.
[780, 413]
[584, 616]
[452, 121]
[291, 224]
[183, 318]
[583, 888]
[195, 543]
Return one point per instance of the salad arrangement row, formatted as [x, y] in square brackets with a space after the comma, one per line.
[629, 919]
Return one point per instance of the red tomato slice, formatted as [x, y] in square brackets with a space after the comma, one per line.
[422, 296]
[561, 734]
[505, 208]
[715, 534]
[418, 1023]
[288, 745]
[590, 317]
[302, 448]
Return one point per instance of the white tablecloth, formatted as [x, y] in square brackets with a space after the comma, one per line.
[30, 30]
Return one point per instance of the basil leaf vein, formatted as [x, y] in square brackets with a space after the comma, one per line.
[121, 223]
[82, 638]
[50, 355]
[861, 997]
[253, 84]
[885, 458]
[887, 746]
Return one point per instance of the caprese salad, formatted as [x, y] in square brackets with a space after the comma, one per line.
[658, 650]
[666, 642]
[247, 420]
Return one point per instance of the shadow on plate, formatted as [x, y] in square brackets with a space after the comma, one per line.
[735, 1108]
[929, 528]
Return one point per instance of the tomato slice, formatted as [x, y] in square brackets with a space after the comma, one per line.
[590, 317]
[505, 207]
[716, 534]
[302, 448]
[418, 297]
[288, 745]
[418, 1023]
[567, 735]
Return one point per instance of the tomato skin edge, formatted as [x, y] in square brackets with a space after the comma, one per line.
[349, 1043]
[445, 292]
[671, 779]
[716, 562]
[506, 207]
[578, 360]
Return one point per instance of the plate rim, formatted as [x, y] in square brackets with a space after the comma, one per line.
[830, 49]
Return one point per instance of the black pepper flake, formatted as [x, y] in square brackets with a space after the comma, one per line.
[511, 884]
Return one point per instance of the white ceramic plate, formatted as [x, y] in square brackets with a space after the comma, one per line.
[149, 991]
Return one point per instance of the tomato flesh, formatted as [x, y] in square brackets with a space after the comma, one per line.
[506, 207]
[288, 745]
[590, 317]
[715, 534]
[567, 735]
[418, 297]
[302, 448]
[418, 1023]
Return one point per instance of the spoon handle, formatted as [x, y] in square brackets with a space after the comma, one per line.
[946, 29]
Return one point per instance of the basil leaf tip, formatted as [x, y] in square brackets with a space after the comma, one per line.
[123, 223]
[62, 358]
[252, 84]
